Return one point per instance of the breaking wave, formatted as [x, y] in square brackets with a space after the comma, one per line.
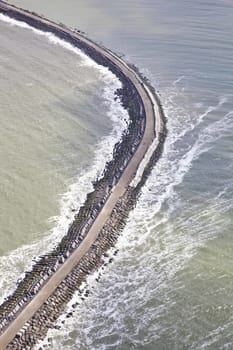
[132, 307]
[14, 264]
[153, 247]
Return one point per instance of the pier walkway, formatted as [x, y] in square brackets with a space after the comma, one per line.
[118, 190]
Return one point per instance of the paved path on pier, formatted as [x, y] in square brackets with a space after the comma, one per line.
[149, 134]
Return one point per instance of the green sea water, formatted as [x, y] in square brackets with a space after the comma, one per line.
[170, 286]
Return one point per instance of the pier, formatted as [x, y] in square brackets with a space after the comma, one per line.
[41, 297]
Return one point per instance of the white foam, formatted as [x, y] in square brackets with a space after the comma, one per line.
[53, 39]
[161, 188]
[160, 256]
[14, 264]
[147, 255]
[169, 172]
[150, 230]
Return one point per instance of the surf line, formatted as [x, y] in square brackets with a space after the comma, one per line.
[40, 298]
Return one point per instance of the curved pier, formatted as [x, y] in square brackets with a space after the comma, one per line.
[41, 297]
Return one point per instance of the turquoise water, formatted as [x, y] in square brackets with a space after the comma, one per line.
[170, 286]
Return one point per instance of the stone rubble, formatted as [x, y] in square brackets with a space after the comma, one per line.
[47, 264]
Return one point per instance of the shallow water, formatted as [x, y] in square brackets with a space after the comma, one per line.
[170, 285]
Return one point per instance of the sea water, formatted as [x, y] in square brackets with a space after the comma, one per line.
[170, 286]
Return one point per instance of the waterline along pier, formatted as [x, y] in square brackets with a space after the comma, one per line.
[40, 298]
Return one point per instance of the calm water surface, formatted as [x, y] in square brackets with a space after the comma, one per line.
[170, 286]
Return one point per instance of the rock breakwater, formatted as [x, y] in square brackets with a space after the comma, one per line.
[45, 317]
